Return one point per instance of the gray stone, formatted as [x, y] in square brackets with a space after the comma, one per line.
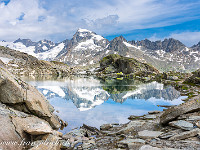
[131, 126]
[130, 143]
[146, 134]
[65, 144]
[32, 125]
[105, 126]
[8, 133]
[193, 118]
[181, 124]
[148, 147]
[174, 112]
[167, 135]
[127, 141]
[150, 117]
[186, 134]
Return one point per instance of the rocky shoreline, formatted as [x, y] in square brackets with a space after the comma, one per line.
[175, 128]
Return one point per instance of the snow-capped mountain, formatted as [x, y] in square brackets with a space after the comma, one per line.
[86, 48]
[44, 49]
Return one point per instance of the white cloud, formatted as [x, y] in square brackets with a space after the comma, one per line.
[188, 38]
[60, 19]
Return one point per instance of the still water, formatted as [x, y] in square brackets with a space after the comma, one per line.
[95, 102]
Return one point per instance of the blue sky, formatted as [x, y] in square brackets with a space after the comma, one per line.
[134, 19]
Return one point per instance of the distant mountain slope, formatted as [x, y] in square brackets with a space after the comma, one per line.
[24, 64]
[87, 48]
[44, 49]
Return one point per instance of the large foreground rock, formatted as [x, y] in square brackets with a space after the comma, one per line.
[8, 136]
[186, 135]
[174, 112]
[26, 98]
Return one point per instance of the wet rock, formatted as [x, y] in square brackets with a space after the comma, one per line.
[174, 112]
[106, 126]
[186, 134]
[182, 124]
[146, 134]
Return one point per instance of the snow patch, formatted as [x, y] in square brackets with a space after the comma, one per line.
[5, 60]
[44, 48]
[129, 45]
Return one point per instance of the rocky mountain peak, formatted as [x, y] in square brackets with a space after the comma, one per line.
[167, 45]
[119, 38]
[170, 45]
[196, 47]
[43, 45]
[117, 44]
[26, 42]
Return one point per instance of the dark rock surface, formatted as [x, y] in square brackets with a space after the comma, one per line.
[168, 45]
[115, 64]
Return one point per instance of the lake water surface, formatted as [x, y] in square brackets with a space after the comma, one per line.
[95, 102]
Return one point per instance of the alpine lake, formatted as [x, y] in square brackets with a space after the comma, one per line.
[93, 101]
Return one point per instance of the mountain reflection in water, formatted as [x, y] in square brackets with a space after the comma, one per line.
[96, 101]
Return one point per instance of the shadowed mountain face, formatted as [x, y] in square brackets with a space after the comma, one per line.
[168, 45]
[88, 48]
[87, 93]
[196, 47]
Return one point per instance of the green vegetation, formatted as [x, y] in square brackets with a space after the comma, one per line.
[119, 85]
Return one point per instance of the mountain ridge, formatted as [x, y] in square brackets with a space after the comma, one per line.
[87, 48]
